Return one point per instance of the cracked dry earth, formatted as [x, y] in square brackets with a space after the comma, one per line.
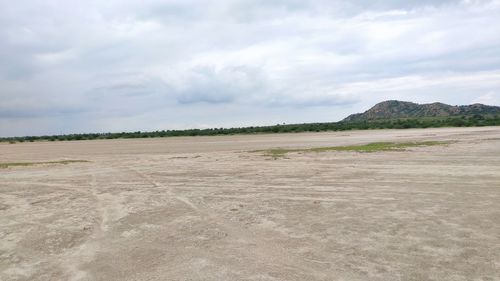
[208, 208]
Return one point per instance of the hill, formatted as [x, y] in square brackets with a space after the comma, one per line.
[385, 115]
[394, 109]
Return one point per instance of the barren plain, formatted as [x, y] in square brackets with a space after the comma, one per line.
[217, 208]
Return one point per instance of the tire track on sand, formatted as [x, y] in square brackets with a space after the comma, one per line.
[74, 259]
[262, 249]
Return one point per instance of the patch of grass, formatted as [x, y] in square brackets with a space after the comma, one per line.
[25, 164]
[276, 153]
[378, 146]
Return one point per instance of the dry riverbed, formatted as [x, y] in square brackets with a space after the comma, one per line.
[224, 208]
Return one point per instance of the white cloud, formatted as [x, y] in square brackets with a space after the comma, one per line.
[264, 62]
[490, 98]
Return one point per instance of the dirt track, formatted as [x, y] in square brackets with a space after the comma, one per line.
[207, 208]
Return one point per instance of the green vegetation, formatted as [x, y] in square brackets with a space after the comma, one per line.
[276, 153]
[402, 109]
[401, 123]
[24, 164]
[380, 146]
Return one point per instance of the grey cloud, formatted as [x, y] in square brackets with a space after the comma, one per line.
[210, 85]
[308, 101]
[94, 64]
[19, 109]
[173, 11]
[395, 4]
[40, 112]
[128, 95]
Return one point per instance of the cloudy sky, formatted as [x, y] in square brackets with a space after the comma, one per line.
[99, 66]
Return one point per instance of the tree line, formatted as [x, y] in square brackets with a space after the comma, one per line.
[430, 122]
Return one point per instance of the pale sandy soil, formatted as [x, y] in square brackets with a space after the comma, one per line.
[207, 208]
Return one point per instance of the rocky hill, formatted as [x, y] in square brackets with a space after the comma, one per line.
[401, 109]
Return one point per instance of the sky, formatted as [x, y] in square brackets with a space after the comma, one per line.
[129, 65]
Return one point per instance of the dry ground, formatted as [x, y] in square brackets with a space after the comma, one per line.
[206, 208]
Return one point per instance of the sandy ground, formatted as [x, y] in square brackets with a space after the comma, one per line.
[207, 208]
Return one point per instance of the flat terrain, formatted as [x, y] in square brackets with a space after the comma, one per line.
[213, 208]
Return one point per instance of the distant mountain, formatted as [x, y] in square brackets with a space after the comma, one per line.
[394, 109]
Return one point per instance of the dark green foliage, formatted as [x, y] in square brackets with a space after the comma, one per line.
[402, 123]
[393, 109]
